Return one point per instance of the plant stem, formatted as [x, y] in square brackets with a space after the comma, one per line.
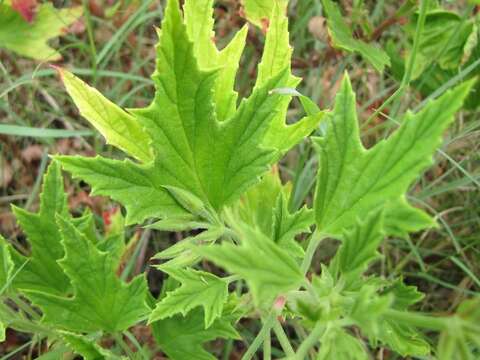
[262, 335]
[267, 346]
[232, 278]
[283, 339]
[126, 349]
[25, 307]
[312, 246]
[419, 319]
[309, 342]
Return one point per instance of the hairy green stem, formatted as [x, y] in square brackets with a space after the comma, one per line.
[430, 322]
[232, 278]
[25, 307]
[283, 339]
[419, 319]
[310, 341]
[123, 345]
[315, 240]
[267, 346]
[262, 335]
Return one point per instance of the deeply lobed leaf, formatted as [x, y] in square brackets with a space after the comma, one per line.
[353, 181]
[42, 272]
[198, 288]
[268, 269]
[101, 301]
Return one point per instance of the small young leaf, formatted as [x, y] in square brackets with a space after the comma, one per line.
[381, 174]
[30, 38]
[268, 269]
[265, 206]
[198, 289]
[101, 301]
[404, 295]
[287, 225]
[342, 38]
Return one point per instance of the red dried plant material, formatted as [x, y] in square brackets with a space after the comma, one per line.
[26, 8]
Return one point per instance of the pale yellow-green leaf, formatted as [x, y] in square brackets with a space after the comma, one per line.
[119, 128]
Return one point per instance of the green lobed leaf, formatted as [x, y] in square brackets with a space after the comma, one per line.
[42, 272]
[30, 38]
[101, 301]
[126, 182]
[407, 219]
[268, 269]
[215, 161]
[401, 337]
[87, 347]
[182, 338]
[382, 174]
[342, 38]
[198, 288]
